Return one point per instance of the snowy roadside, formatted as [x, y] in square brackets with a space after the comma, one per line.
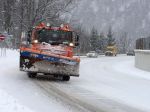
[116, 78]
[132, 70]
[103, 81]
[9, 104]
[18, 93]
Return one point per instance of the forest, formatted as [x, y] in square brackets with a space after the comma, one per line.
[19, 16]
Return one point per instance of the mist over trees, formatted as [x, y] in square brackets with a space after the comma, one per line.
[21, 15]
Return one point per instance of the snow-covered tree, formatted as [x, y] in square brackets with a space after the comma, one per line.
[102, 42]
[124, 42]
[84, 38]
[94, 39]
[111, 40]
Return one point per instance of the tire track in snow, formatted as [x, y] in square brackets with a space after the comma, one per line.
[71, 99]
[81, 99]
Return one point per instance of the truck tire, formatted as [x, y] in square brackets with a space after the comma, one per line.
[32, 75]
[66, 78]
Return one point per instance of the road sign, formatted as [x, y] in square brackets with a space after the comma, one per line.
[2, 37]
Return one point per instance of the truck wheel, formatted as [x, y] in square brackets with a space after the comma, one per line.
[32, 75]
[66, 78]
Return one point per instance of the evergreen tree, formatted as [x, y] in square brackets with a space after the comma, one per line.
[111, 40]
[102, 42]
[124, 42]
[94, 39]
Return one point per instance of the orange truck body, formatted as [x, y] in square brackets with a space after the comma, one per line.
[55, 59]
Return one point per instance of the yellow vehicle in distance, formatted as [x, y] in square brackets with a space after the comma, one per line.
[111, 51]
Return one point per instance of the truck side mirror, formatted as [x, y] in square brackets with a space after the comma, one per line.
[77, 40]
[29, 33]
[29, 39]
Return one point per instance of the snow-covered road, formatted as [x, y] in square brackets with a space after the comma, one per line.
[110, 84]
[18, 93]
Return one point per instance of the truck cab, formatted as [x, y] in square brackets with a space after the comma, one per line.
[111, 51]
[50, 50]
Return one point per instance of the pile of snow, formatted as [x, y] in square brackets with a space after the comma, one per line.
[9, 104]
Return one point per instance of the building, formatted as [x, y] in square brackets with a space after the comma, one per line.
[143, 43]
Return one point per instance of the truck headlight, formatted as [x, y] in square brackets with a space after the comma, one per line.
[71, 44]
[48, 24]
[35, 41]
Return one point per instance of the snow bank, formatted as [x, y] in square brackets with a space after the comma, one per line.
[117, 78]
[9, 104]
[128, 68]
[135, 91]
[18, 93]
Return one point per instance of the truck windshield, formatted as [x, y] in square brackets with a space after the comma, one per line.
[110, 49]
[54, 36]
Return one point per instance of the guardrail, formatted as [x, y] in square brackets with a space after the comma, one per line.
[142, 59]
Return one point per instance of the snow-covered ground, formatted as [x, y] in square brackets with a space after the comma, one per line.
[112, 78]
[19, 94]
[117, 78]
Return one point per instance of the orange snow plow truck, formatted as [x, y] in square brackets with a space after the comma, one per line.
[49, 50]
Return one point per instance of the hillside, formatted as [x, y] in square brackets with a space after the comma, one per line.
[132, 16]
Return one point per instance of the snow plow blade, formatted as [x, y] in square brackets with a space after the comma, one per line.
[48, 64]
